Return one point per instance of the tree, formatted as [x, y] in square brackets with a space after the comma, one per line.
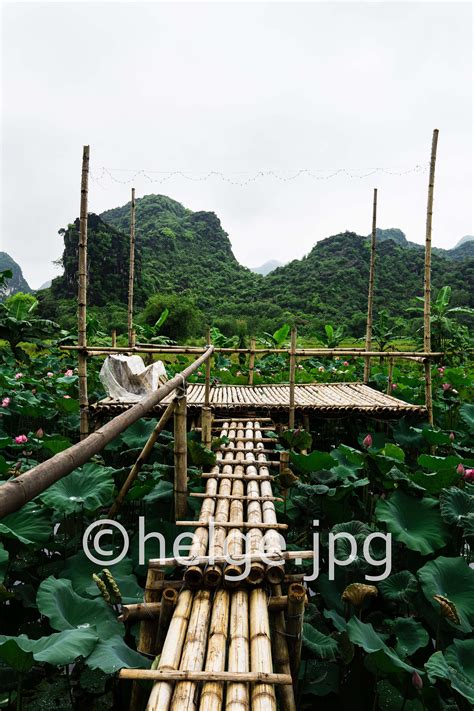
[18, 324]
[184, 318]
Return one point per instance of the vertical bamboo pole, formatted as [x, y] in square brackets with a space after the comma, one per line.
[206, 412]
[294, 625]
[212, 694]
[131, 276]
[263, 695]
[281, 657]
[252, 360]
[180, 456]
[390, 376]
[427, 281]
[114, 338]
[370, 298]
[292, 377]
[82, 299]
[237, 697]
[169, 599]
[147, 634]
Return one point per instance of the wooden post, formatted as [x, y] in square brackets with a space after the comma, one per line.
[252, 360]
[370, 298]
[390, 376]
[82, 299]
[294, 625]
[427, 281]
[206, 412]
[281, 659]
[144, 454]
[114, 338]
[131, 276]
[180, 455]
[292, 377]
[168, 603]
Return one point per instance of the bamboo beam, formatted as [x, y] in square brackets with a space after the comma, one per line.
[82, 299]
[229, 524]
[232, 496]
[207, 385]
[143, 457]
[193, 574]
[18, 491]
[219, 559]
[263, 694]
[294, 625]
[427, 279]
[291, 421]
[243, 477]
[171, 675]
[390, 376]
[180, 454]
[252, 360]
[281, 659]
[146, 635]
[206, 429]
[247, 419]
[141, 611]
[131, 277]
[212, 694]
[237, 696]
[114, 338]
[234, 538]
[370, 298]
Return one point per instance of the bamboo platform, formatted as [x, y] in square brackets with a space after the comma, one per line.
[319, 398]
[227, 645]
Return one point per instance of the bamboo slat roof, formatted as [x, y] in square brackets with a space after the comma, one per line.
[329, 398]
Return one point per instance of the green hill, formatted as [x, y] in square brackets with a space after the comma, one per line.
[189, 254]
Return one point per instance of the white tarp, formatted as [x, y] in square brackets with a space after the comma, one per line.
[127, 379]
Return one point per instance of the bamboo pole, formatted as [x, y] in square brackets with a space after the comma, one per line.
[427, 280]
[146, 635]
[143, 457]
[237, 697]
[370, 298]
[170, 657]
[242, 678]
[234, 537]
[180, 455]
[263, 695]
[390, 376]
[140, 611]
[292, 378]
[206, 429]
[114, 338]
[193, 574]
[82, 299]
[18, 491]
[131, 278]
[193, 652]
[219, 559]
[212, 694]
[281, 658]
[169, 600]
[232, 496]
[294, 625]
[252, 360]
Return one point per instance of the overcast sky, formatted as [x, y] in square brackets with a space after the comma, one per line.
[237, 88]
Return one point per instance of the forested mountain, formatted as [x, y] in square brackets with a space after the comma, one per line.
[189, 254]
[17, 282]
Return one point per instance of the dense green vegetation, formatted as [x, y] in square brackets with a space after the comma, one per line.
[189, 255]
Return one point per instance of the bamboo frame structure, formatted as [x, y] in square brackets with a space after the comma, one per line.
[131, 278]
[291, 421]
[427, 278]
[82, 299]
[370, 297]
[180, 454]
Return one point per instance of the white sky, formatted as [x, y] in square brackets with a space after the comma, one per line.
[237, 88]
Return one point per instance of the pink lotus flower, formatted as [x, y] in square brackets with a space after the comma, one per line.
[441, 370]
[367, 441]
[446, 386]
[50, 374]
[451, 437]
[18, 376]
[199, 372]
[68, 372]
[460, 469]
[6, 401]
[39, 433]
[345, 363]
[394, 386]
[417, 681]
[67, 397]
[21, 439]
[469, 475]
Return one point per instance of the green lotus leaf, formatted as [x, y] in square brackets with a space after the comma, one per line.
[436, 482]
[113, 654]
[322, 645]
[314, 462]
[3, 562]
[30, 525]
[322, 677]
[410, 634]
[454, 504]
[67, 610]
[89, 487]
[466, 413]
[17, 652]
[385, 658]
[436, 436]
[163, 491]
[399, 587]
[438, 464]
[65, 647]
[415, 522]
[454, 579]
[407, 436]
[455, 665]
[391, 699]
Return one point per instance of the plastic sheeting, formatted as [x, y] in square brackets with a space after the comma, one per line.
[127, 379]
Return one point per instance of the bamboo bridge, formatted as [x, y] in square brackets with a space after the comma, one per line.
[218, 641]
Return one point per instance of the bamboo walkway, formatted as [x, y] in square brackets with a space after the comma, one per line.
[227, 645]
